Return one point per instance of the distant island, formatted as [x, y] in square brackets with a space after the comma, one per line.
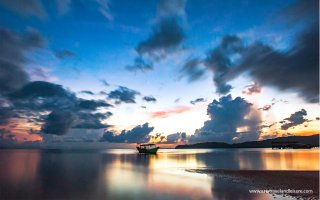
[312, 140]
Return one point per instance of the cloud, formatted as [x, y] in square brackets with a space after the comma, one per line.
[138, 134]
[191, 68]
[63, 54]
[88, 92]
[198, 100]
[285, 70]
[176, 137]
[266, 107]
[177, 100]
[91, 120]
[226, 116]
[295, 119]
[38, 97]
[13, 46]
[282, 70]
[140, 64]
[166, 36]
[218, 60]
[63, 6]
[274, 102]
[5, 114]
[12, 57]
[11, 76]
[149, 99]
[104, 9]
[92, 104]
[40, 103]
[167, 113]
[104, 82]
[123, 95]
[26, 7]
[58, 122]
[39, 89]
[251, 89]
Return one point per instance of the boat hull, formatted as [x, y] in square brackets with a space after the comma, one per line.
[154, 150]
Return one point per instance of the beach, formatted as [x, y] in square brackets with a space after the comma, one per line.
[286, 183]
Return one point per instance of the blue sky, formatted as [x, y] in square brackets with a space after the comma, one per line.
[85, 42]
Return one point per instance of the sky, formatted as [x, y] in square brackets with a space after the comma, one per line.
[106, 72]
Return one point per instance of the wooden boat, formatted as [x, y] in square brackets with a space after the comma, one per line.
[147, 148]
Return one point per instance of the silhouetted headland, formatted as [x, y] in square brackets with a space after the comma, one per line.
[312, 141]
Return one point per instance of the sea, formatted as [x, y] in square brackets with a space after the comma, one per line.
[124, 174]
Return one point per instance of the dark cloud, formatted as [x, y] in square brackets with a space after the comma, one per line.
[295, 119]
[39, 89]
[136, 135]
[12, 77]
[266, 107]
[176, 137]
[12, 56]
[219, 61]
[177, 100]
[198, 100]
[91, 120]
[87, 92]
[274, 102]
[300, 11]
[103, 93]
[5, 114]
[166, 36]
[37, 97]
[92, 104]
[63, 54]
[123, 95]
[226, 116]
[31, 101]
[191, 68]
[26, 7]
[13, 46]
[104, 82]
[149, 99]
[285, 70]
[251, 89]
[58, 122]
[140, 64]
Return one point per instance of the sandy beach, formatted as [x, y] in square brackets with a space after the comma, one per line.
[271, 180]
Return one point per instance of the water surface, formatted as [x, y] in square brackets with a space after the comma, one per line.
[124, 174]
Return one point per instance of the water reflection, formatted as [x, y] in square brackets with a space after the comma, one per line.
[124, 174]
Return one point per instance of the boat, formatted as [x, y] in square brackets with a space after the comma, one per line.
[147, 148]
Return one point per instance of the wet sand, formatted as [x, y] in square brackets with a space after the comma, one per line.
[271, 180]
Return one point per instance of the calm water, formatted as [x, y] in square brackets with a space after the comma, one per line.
[124, 174]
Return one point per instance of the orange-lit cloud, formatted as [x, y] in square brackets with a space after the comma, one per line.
[173, 111]
[19, 131]
[251, 89]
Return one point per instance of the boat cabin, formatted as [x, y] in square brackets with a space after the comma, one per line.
[147, 146]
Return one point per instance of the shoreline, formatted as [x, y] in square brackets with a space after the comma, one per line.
[270, 180]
